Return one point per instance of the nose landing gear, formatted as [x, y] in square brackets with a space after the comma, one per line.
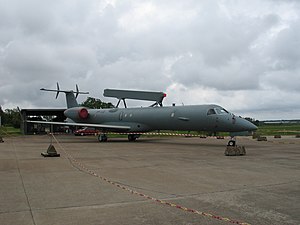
[232, 141]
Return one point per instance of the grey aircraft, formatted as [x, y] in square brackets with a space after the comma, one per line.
[134, 121]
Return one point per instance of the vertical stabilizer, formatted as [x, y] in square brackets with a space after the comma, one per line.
[71, 100]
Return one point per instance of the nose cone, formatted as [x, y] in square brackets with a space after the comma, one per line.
[244, 125]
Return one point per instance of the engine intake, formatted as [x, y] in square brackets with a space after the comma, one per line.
[83, 113]
[78, 113]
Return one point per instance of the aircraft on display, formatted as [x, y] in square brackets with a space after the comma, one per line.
[138, 120]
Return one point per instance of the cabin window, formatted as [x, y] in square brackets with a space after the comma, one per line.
[211, 112]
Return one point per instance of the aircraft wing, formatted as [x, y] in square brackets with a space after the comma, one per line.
[104, 126]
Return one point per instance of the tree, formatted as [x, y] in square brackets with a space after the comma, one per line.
[11, 117]
[1, 114]
[94, 103]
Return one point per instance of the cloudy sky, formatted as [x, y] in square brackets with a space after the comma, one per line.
[243, 55]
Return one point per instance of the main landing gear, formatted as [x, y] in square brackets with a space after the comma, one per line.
[131, 137]
[102, 138]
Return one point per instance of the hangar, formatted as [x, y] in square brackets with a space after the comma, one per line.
[54, 115]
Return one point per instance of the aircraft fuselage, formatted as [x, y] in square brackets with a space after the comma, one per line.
[185, 118]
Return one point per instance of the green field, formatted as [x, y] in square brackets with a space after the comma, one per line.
[6, 131]
[278, 129]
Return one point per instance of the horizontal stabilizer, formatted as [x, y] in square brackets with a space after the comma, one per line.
[137, 95]
[77, 92]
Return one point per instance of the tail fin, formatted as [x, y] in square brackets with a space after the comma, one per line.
[71, 100]
[70, 95]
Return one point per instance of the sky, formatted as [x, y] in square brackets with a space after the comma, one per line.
[243, 55]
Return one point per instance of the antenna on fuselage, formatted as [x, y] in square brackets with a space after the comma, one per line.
[121, 95]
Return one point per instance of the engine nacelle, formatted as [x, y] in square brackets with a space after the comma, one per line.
[77, 113]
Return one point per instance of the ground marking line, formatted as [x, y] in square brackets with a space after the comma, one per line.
[20, 174]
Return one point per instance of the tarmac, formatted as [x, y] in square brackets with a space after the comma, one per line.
[155, 180]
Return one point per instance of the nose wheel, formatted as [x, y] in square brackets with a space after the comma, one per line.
[232, 142]
[233, 150]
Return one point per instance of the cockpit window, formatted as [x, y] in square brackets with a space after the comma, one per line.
[211, 112]
[221, 111]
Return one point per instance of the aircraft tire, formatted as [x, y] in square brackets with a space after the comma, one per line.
[102, 138]
[132, 137]
[231, 143]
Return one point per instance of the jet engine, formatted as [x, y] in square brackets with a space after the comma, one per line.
[77, 113]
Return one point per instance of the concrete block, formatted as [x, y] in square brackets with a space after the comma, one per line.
[262, 138]
[235, 150]
[255, 136]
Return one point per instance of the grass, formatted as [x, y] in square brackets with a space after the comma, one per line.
[6, 131]
[278, 129]
[263, 130]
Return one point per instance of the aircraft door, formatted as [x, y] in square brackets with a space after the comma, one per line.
[121, 116]
[213, 120]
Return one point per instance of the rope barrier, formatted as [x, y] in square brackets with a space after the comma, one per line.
[82, 167]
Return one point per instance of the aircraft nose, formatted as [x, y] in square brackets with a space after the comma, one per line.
[245, 125]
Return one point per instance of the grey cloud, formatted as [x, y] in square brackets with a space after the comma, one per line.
[30, 59]
[282, 80]
[131, 74]
[206, 47]
[236, 74]
[285, 49]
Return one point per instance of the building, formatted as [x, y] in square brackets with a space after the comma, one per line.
[54, 115]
